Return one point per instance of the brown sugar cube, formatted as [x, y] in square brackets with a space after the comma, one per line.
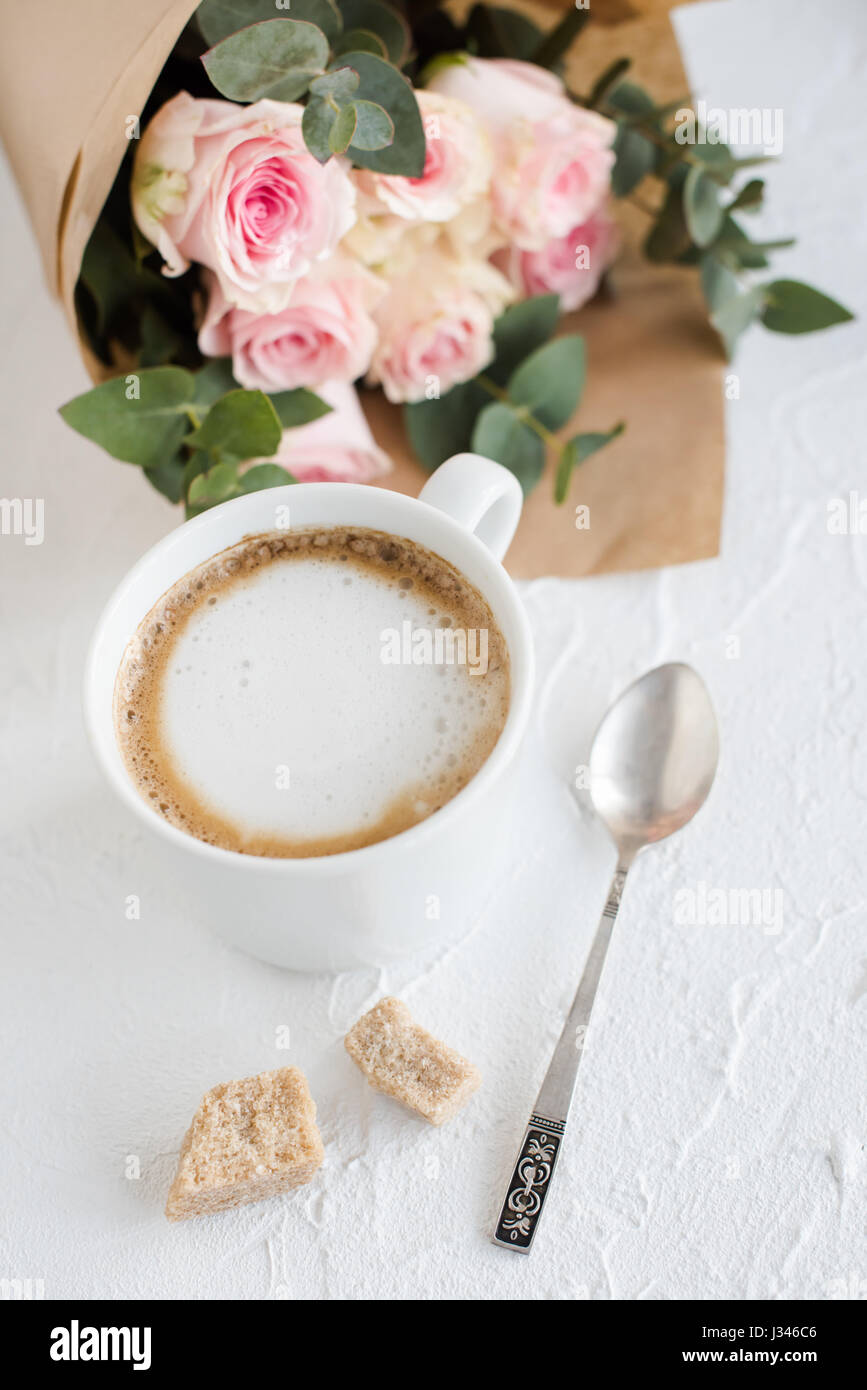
[405, 1062]
[248, 1140]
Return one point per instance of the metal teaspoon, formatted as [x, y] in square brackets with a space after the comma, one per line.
[652, 764]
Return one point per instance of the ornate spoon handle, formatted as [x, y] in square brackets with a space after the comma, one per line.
[540, 1149]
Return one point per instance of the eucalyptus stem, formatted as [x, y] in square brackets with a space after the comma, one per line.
[522, 412]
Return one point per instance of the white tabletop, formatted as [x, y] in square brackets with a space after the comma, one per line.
[716, 1142]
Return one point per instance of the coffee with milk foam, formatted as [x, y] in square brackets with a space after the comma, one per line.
[311, 692]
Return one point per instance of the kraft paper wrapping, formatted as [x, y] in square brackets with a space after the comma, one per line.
[654, 495]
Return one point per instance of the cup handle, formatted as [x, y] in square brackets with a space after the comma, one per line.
[479, 494]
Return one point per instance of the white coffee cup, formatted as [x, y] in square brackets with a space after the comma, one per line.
[371, 905]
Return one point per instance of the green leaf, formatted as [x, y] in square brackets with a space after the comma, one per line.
[735, 315]
[750, 196]
[635, 155]
[374, 128]
[701, 207]
[198, 462]
[575, 452]
[556, 44]
[737, 246]
[634, 158]
[275, 59]
[298, 407]
[717, 281]
[669, 237]
[264, 475]
[342, 130]
[361, 40]
[500, 434]
[793, 307]
[439, 428]
[158, 341]
[241, 425]
[519, 330]
[316, 125]
[219, 484]
[385, 86]
[113, 277]
[217, 19]
[145, 427]
[214, 380]
[550, 382]
[340, 83]
[379, 19]
[168, 478]
[498, 32]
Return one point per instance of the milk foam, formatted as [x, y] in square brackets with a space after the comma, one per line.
[267, 720]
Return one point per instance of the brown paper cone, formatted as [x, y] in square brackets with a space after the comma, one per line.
[654, 495]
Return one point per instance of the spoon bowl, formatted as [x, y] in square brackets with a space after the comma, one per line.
[654, 758]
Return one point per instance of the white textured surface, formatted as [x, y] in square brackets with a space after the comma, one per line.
[716, 1147]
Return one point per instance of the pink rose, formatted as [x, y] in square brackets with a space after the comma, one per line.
[235, 189]
[457, 168]
[336, 448]
[436, 325]
[552, 158]
[325, 332]
[570, 266]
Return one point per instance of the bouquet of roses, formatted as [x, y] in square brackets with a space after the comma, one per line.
[321, 195]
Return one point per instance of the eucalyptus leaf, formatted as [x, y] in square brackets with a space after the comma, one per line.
[439, 428]
[340, 83]
[669, 237]
[316, 124]
[276, 58]
[376, 18]
[112, 276]
[718, 283]
[750, 196]
[735, 315]
[384, 85]
[158, 341]
[241, 425]
[550, 382]
[217, 19]
[576, 451]
[168, 478]
[500, 434]
[206, 490]
[793, 307]
[701, 207]
[214, 380]
[342, 130]
[499, 32]
[298, 407]
[519, 330]
[264, 475]
[139, 418]
[634, 158]
[374, 128]
[361, 40]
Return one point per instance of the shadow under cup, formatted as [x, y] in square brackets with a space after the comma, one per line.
[392, 898]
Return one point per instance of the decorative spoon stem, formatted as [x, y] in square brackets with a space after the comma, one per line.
[540, 1148]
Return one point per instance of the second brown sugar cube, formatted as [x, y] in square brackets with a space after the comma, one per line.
[404, 1061]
